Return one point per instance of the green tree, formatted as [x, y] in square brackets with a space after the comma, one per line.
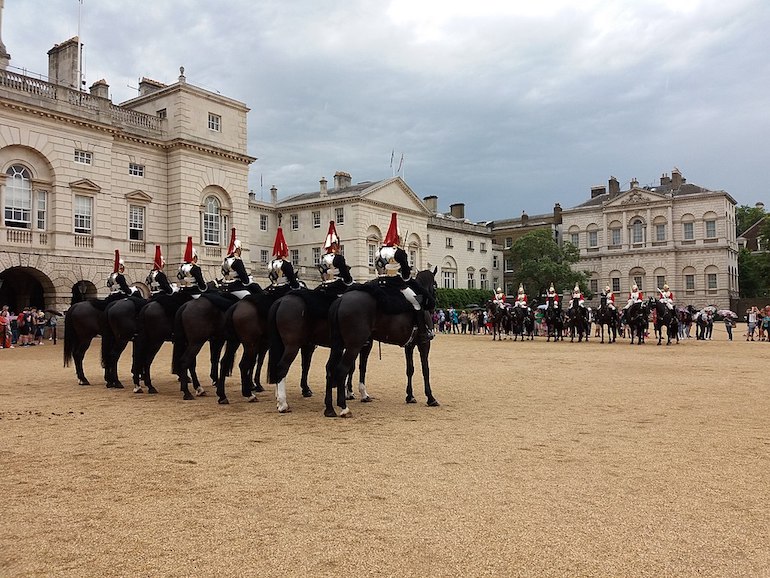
[539, 261]
[746, 216]
[753, 273]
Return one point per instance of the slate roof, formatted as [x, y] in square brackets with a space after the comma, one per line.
[682, 190]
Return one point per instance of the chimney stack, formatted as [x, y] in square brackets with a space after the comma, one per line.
[431, 202]
[557, 220]
[676, 178]
[324, 190]
[63, 63]
[665, 179]
[148, 86]
[457, 210]
[524, 218]
[274, 195]
[598, 191]
[100, 88]
[614, 186]
[342, 180]
[634, 183]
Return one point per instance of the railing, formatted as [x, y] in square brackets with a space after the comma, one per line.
[43, 89]
[136, 247]
[84, 241]
[212, 251]
[18, 236]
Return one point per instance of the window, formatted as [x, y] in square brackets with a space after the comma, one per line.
[449, 242]
[508, 242]
[339, 215]
[264, 256]
[495, 262]
[689, 282]
[162, 113]
[294, 256]
[449, 279]
[412, 257]
[316, 254]
[483, 247]
[471, 280]
[136, 223]
[18, 198]
[574, 238]
[294, 222]
[42, 202]
[637, 231]
[372, 251]
[689, 233]
[483, 281]
[660, 232]
[211, 221]
[711, 231]
[593, 238]
[638, 281]
[84, 157]
[594, 286]
[215, 122]
[508, 265]
[711, 280]
[615, 284]
[615, 236]
[263, 222]
[342, 250]
[135, 170]
[470, 245]
[660, 280]
[316, 219]
[84, 209]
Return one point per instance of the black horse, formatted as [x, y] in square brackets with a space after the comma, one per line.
[577, 321]
[298, 323]
[605, 315]
[358, 318]
[554, 320]
[500, 317]
[121, 328]
[637, 319]
[665, 317]
[83, 321]
[522, 323]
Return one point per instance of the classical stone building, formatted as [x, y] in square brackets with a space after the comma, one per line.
[676, 233]
[81, 177]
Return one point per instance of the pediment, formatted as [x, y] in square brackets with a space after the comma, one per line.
[636, 196]
[138, 195]
[85, 185]
[397, 193]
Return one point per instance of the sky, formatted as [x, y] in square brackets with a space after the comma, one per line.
[504, 105]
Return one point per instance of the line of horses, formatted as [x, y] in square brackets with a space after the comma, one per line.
[519, 322]
[275, 324]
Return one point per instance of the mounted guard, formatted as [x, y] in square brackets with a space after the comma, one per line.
[117, 280]
[236, 279]
[280, 270]
[393, 270]
[521, 298]
[666, 296]
[191, 270]
[610, 298]
[332, 266]
[552, 297]
[499, 299]
[157, 279]
[578, 294]
[635, 296]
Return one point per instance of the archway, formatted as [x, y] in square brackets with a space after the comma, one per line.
[25, 286]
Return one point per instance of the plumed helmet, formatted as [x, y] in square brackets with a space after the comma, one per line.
[551, 288]
[392, 238]
[499, 289]
[635, 287]
[189, 252]
[118, 262]
[158, 262]
[331, 238]
[280, 248]
[521, 288]
[234, 243]
[577, 288]
[607, 289]
[665, 287]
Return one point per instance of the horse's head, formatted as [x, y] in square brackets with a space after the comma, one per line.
[426, 279]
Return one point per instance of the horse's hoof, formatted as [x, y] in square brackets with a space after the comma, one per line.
[200, 392]
[151, 389]
[330, 413]
[346, 412]
[258, 388]
[433, 403]
[349, 397]
[307, 393]
[84, 382]
[138, 389]
[283, 408]
[366, 399]
[252, 399]
[188, 396]
[410, 399]
[223, 401]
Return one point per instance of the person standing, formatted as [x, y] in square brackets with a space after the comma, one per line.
[751, 320]
[729, 328]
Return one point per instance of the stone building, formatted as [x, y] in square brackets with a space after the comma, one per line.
[676, 233]
[81, 177]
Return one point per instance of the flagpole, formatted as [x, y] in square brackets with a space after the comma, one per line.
[80, 51]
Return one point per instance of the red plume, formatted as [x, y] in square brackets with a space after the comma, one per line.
[231, 246]
[391, 239]
[158, 262]
[188, 252]
[280, 248]
[331, 237]
[117, 261]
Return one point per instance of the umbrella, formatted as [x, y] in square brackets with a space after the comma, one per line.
[710, 308]
[727, 313]
[543, 306]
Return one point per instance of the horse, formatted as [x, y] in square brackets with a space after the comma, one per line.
[665, 317]
[609, 317]
[500, 316]
[577, 320]
[522, 323]
[298, 322]
[554, 320]
[637, 317]
[121, 327]
[83, 321]
[358, 318]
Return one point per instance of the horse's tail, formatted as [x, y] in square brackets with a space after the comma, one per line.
[231, 345]
[180, 342]
[69, 337]
[277, 347]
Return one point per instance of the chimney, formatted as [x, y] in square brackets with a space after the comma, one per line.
[614, 186]
[598, 191]
[274, 195]
[665, 179]
[63, 63]
[342, 180]
[324, 190]
[676, 178]
[432, 203]
[147, 86]
[557, 214]
[524, 218]
[634, 183]
[100, 88]
[457, 210]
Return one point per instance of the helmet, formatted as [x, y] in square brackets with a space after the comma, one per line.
[607, 289]
[392, 237]
[159, 262]
[665, 287]
[521, 288]
[234, 243]
[280, 248]
[635, 287]
[499, 290]
[332, 238]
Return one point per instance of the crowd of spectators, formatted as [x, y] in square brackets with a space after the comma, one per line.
[28, 328]
[461, 321]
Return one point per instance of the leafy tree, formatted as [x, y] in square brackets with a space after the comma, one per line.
[746, 216]
[539, 261]
[753, 273]
[462, 298]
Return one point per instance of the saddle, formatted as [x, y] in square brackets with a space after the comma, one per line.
[388, 296]
[262, 301]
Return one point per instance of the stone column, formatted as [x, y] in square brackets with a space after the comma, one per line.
[5, 58]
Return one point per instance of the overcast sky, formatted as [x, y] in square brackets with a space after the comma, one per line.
[506, 106]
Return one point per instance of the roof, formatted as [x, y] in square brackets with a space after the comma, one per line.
[683, 190]
[351, 191]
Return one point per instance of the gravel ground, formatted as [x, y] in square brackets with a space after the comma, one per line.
[543, 460]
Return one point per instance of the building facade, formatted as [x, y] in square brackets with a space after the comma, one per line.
[675, 233]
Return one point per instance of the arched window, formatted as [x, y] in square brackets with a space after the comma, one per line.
[637, 231]
[18, 198]
[211, 221]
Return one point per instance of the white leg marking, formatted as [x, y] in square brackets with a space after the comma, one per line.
[280, 396]
[362, 391]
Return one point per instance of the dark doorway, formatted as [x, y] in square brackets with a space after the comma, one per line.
[24, 286]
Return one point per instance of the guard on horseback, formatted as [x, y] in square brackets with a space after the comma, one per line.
[635, 296]
[499, 299]
[552, 297]
[610, 298]
[521, 298]
[234, 271]
[393, 270]
[666, 296]
[280, 270]
[191, 269]
[332, 266]
[578, 294]
[117, 280]
[157, 279]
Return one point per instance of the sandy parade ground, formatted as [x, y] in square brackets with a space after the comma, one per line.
[543, 460]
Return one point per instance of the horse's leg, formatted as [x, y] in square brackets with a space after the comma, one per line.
[340, 361]
[659, 331]
[409, 356]
[363, 361]
[215, 349]
[120, 347]
[246, 366]
[150, 350]
[187, 361]
[282, 368]
[306, 356]
[78, 354]
[424, 349]
[260, 359]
